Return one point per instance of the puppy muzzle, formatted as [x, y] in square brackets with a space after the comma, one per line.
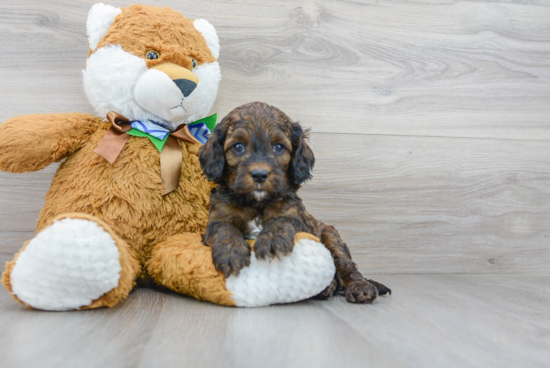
[258, 179]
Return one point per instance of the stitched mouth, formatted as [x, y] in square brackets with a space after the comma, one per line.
[180, 105]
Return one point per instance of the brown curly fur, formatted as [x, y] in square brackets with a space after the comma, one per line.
[248, 141]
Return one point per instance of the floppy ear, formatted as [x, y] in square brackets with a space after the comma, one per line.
[212, 156]
[302, 160]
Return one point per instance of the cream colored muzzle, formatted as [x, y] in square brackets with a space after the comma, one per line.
[163, 88]
[184, 79]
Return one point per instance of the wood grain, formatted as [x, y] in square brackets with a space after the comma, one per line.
[430, 125]
[430, 118]
[443, 68]
[429, 321]
[434, 205]
[406, 205]
[458, 321]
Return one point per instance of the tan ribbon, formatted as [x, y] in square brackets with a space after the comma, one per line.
[171, 158]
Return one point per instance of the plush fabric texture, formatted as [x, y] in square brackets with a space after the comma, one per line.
[32, 142]
[117, 80]
[100, 18]
[41, 279]
[141, 28]
[104, 227]
[198, 278]
[127, 195]
[209, 33]
[307, 271]
[38, 273]
[304, 273]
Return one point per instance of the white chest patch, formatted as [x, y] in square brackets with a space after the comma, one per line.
[254, 229]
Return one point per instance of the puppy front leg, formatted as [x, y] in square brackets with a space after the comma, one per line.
[277, 237]
[358, 289]
[230, 252]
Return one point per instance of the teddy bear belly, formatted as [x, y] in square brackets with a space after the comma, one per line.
[127, 195]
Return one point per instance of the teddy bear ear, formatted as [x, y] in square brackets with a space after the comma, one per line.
[100, 18]
[209, 33]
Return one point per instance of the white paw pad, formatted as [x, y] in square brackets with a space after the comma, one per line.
[307, 271]
[66, 266]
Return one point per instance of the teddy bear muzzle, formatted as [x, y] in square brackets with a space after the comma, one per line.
[162, 90]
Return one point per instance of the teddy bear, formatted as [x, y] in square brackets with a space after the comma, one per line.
[129, 201]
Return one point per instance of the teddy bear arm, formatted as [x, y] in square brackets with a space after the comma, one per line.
[32, 142]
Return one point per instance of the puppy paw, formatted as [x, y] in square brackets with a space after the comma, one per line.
[231, 256]
[328, 292]
[382, 289]
[361, 291]
[270, 244]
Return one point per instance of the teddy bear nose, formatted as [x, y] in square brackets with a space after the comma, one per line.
[186, 86]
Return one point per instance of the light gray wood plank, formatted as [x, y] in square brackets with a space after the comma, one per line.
[430, 321]
[526, 2]
[12, 241]
[436, 220]
[440, 69]
[434, 205]
[22, 196]
[402, 204]
[458, 321]
[304, 335]
[462, 69]
[99, 338]
[404, 74]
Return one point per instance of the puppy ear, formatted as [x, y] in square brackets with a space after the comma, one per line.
[302, 160]
[212, 156]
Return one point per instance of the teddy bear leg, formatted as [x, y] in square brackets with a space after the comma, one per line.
[182, 263]
[77, 262]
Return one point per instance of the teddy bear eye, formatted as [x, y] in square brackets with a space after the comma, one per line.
[194, 63]
[152, 55]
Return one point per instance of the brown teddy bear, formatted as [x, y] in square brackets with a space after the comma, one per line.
[129, 200]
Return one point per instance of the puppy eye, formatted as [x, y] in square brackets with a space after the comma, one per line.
[278, 149]
[194, 63]
[239, 148]
[152, 55]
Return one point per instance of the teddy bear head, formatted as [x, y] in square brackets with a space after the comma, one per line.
[150, 63]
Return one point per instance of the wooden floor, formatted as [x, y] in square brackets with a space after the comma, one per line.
[431, 128]
[430, 321]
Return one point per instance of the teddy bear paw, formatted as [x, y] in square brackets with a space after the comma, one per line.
[66, 266]
[300, 275]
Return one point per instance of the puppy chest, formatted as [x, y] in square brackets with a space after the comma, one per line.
[254, 229]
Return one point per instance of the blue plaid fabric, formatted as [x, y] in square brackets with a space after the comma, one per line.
[147, 126]
[200, 131]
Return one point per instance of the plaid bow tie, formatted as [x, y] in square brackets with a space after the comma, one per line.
[165, 141]
[200, 129]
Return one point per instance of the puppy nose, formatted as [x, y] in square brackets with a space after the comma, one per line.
[259, 176]
[186, 86]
